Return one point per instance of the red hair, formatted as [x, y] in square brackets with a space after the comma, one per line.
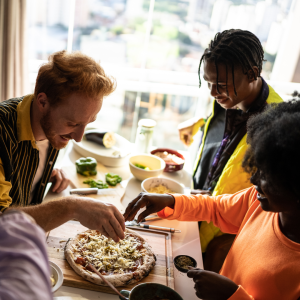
[68, 73]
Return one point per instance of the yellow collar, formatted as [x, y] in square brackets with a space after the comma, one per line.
[23, 121]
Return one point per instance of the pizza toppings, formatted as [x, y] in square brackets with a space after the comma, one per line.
[122, 263]
[107, 256]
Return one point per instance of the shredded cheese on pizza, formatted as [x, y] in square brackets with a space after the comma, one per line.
[108, 256]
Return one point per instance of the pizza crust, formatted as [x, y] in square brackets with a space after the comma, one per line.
[114, 279]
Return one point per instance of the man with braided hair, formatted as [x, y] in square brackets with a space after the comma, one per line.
[232, 69]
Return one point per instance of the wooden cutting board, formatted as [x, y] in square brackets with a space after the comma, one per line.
[114, 197]
[159, 241]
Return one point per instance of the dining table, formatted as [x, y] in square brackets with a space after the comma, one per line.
[187, 242]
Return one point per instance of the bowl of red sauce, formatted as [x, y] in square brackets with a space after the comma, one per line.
[173, 159]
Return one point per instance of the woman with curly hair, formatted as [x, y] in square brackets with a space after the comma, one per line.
[263, 262]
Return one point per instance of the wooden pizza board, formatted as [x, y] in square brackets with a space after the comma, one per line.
[159, 241]
[115, 197]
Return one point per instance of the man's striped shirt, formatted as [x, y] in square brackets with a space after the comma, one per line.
[19, 155]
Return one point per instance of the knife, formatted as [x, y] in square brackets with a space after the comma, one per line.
[88, 191]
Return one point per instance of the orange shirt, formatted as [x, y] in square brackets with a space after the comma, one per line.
[262, 261]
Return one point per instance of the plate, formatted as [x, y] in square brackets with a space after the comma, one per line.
[113, 157]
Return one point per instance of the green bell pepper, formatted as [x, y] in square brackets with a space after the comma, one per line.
[96, 184]
[86, 166]
[112, 179]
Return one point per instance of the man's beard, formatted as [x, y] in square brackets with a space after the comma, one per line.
[47, 125]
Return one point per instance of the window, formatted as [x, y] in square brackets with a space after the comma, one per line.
[152, 48]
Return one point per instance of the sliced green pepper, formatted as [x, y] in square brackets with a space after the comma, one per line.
[142, 167]
[112, 179]
[96, 184]
[86, 166]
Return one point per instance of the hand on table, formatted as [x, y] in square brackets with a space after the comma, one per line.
[101, 216]
[59, 180]
[153, 203]
[210, 285]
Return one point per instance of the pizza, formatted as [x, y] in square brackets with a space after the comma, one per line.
[122, 263]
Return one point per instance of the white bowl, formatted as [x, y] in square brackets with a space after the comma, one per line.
[172, 185]
[155, 163]
[57, 273]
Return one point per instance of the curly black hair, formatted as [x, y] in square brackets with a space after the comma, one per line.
[274, 139]
[234, 47]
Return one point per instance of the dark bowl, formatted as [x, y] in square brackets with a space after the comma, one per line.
[170, 168]
[147, 291]
[182, 269]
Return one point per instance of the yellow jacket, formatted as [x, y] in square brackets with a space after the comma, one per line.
[233, 177]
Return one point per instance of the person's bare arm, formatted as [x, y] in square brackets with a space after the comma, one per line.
[93, 214]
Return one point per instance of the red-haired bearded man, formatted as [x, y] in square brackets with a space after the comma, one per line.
[68, 95]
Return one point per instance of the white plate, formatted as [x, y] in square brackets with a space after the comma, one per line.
[104, 155]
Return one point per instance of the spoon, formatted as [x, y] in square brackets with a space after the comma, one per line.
[107, 282]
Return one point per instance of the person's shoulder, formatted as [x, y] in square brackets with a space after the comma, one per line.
[251, 196]
[9, 107]
[8, 112]
[273, 96]
[246, 195]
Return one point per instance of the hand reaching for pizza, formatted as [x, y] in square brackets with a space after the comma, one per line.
[210, 285]
[101, 216]
[153, 203]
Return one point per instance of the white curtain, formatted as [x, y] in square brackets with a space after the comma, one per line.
[13, 49]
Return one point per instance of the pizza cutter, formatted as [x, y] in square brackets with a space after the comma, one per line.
[134, 223]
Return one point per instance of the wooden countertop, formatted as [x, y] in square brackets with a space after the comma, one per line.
[187, 242]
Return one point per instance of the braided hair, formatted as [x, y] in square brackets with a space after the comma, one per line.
[234, 47]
